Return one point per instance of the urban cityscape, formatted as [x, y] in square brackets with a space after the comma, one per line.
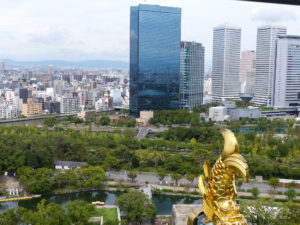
[109, 141]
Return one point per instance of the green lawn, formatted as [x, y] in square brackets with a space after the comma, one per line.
[110, 215]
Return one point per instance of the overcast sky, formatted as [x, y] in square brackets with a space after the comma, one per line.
[99, 29]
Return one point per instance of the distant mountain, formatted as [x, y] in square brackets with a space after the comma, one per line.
[89, 64]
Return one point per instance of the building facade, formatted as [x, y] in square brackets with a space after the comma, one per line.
[247, 70]
[31, 108]
[265, 56]
[191, 74]
[69, 105]
[23, 94]
[286, 92]
[226, 62]
[155, 34]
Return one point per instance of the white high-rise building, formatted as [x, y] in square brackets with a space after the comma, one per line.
[247, 68]
[286, 92]
[265, 56]
[226, 62]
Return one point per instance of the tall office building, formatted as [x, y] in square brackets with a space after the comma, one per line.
[265, 50]
[23, 94]
[226, 62]
[247, 70]
[155, 34]
[286, 91]
[191, 74]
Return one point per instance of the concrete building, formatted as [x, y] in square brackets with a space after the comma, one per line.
[24, 94]
[251, 112]
[191, 74]
[32, 108]
[181, 212]
[250, 82]
[69, 105]
[265, 55]
[86, 114]
[52, 107]
[286, 91]
[226, 62]
[218, 113]
[8, 111]
[105, 103]
[247, 71]
[144, 118]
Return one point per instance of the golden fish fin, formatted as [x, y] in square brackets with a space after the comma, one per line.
[239, 165]
[202, 186]
[231, 145]
[207, 169]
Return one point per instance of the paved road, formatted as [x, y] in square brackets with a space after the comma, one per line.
[153, 179]
[142, 133]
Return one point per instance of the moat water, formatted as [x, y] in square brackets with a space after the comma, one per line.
[163, 202]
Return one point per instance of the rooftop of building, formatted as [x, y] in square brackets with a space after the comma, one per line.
[69, 163]
[289, 37]
[158, 8]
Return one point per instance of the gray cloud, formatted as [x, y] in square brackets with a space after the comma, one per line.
[99, 29]
[274, 14]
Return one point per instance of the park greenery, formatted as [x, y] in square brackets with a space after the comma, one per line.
[267, 211]
[178, 150]
[136, 206]
[76, 212]
[44, 180]
[100, 119]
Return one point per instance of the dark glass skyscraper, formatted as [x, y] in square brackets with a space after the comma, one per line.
[155, 34]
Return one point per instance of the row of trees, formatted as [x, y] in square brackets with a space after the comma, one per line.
[102, 120]
[44, 180]
[76, 212]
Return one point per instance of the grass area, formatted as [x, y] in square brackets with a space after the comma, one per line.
[110, 215]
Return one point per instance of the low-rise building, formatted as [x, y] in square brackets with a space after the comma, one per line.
[250, 112]
[145, 116]
[67, 165]
[86, 114]
[218, 113]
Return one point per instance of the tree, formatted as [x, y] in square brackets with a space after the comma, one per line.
[239, 183]
[50, 121]
[274, 183]
[130, 132]
[104, 121]
[291, 194]
[190, 178]
[48, 214]
[79, 212]
[39, 181]
[260, 212]
[161, 174]
[176, 177]
[136, 206]
[255, 192]
[132, 175]
[91, 176]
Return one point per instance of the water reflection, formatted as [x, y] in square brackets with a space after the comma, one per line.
[163, 202]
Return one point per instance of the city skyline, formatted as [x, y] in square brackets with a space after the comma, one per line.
[94, 30]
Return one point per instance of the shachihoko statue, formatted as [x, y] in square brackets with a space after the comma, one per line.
[219, 205]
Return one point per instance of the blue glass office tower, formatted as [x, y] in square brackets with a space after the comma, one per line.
[155, 34]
